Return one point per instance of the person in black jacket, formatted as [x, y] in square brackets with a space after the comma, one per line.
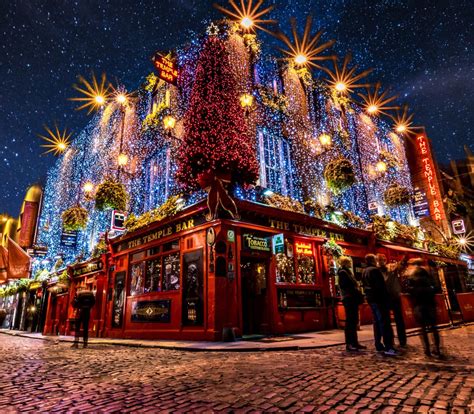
[391, 274]
[83, 302]
[351, 299]
[377, 298]
[421, 287]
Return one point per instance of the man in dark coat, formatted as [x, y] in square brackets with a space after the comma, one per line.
[394, 289]
[83, 302]
[421, 287]
[377, 298]
[351, 299]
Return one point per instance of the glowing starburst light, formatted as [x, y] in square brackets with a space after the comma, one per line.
[94, 94]
[57, 141]
[465, 242]
[375, 101]
[404, 122]
[344, 79]
[304, 50]
[248, 14]
[88, 187]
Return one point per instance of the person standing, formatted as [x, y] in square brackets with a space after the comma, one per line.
[351, 299]
[394, 289]
[377, 297]
[83, 302]
[421, 287]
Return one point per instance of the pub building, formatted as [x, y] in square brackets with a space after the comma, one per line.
[60, 317]
[266, 273]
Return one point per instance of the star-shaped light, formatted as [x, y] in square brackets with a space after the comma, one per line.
[403, 122]
[304, 51]
[344, 79]
[247, 14]
[465, 242]
[94, 94]
[57, 141]
[375, 101]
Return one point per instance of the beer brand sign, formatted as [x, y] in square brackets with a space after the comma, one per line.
[430, 178]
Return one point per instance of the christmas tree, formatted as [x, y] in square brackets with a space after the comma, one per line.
[216, 143]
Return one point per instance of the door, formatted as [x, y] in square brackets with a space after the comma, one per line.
[254, 275]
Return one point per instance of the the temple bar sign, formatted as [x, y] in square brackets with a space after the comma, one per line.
[166, 68]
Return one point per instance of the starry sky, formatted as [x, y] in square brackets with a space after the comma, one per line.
[421, 49]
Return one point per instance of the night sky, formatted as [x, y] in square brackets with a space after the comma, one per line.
[421, 49]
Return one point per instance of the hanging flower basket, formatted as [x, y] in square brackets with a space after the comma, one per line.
[396, 196]
[111, 195]
[339, 175]
[75, 218]
[332, 249]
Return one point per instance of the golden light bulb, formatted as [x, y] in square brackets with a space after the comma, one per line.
[246, 100]
[462, 241]
[122, 159]
[88, 187]
[301, 59]
[381, 166]
[121, 98]
[169, 122]
[325, 139]
[340, 86]
[246, 22]
[372, 109]
[62, 146]
[99, 99]
[57, 141]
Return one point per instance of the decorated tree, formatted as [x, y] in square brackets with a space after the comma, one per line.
[216, 150]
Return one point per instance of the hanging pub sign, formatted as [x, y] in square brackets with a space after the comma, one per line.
[253, 242]
[278, 243]
[68, 238]
[304, 248]
[458, 226]
[373, 208]
[118, 220]
[420, 203]
[166, 68]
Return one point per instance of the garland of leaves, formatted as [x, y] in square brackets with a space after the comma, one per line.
[276, 102]
[111, 195]
[283, 203]
[75, 218]
[387, 229]
[99, 249]
[450, 249]
[168, 209]
[331, 248]
[339, 175]
[396, 196]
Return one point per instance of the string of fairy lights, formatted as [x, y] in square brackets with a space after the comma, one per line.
[300, 122]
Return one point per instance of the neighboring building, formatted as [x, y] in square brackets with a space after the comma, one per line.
[458, 183]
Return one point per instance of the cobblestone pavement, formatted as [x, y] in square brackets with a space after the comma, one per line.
[40, 376]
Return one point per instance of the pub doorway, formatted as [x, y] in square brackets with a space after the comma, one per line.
[254, 280]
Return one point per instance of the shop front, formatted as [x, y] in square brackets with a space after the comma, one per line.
[188, 278]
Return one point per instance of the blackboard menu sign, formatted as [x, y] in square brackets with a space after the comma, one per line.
[119, 297]
[193, 303]
[151, 311]
[299, 298]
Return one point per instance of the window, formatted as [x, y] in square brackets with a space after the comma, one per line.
[297, 265]
[153, 270]
[276, 168]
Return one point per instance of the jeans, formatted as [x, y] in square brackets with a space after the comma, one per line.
[83, 319]
[396, 308]
[352, 320]
[382, 327]
[426, 317]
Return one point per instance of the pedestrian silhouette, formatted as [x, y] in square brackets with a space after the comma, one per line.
[351, 299]
[377, 298]
[391, 274]
[83, 302]
[421, 287]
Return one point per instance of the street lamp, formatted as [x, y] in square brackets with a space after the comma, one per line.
[246, 102]
[169, 122]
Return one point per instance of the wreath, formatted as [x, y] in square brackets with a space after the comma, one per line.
[75, 218]
[339, 175]
[396, 196]
[331, 248]
[111, 195]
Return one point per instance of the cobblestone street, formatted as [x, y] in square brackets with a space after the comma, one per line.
[39, 375]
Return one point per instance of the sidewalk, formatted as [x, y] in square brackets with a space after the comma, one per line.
[307, 340]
